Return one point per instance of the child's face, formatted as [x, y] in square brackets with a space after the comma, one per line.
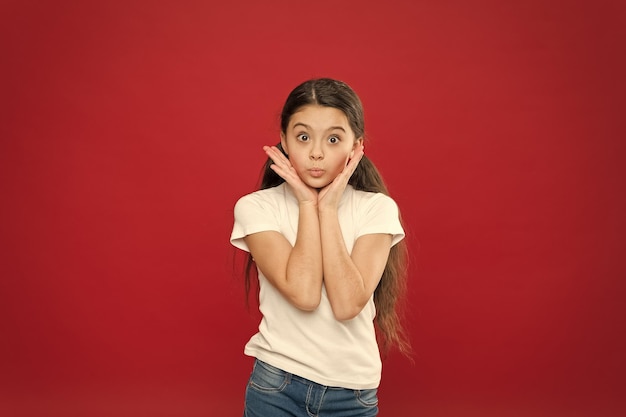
[319, 142]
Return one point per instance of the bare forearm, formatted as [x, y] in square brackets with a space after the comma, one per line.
[304, 267]
[343, 281]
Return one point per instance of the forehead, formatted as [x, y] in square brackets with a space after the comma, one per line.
[319, 117]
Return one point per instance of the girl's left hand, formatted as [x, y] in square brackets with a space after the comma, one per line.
[330, 195]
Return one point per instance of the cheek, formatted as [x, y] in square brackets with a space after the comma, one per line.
[341, 162]
[295, 162]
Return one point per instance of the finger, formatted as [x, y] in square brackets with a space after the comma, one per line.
[359, 151]
[285, 172]
[281, 166]
[276, 156]
[354, 161]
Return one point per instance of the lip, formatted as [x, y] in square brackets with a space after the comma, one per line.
[316, 172]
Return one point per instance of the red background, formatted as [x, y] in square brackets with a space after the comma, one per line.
[129, 128]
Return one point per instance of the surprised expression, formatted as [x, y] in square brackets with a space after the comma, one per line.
[319, 142]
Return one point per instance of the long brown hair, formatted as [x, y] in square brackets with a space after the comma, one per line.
[390, 293]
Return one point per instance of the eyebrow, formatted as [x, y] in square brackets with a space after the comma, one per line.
[309, 127]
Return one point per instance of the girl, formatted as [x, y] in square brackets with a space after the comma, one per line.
[328, 246]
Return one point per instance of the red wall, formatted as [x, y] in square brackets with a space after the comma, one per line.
[129, 129]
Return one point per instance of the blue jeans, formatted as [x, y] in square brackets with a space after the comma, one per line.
[272, 392]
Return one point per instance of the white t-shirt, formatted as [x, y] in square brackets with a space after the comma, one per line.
[315, 345]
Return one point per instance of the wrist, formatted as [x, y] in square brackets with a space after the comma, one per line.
[327, 210]
[307, 204]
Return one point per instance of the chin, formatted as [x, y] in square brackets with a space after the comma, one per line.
[318, 185]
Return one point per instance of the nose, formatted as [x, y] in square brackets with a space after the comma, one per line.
[316, 153]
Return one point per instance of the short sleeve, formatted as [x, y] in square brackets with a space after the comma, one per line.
[252, 215]
[381, 215]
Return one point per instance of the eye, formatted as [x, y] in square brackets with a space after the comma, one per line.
[333, 139]
[303, 137]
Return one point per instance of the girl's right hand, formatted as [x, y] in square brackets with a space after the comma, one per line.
[286, 171]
